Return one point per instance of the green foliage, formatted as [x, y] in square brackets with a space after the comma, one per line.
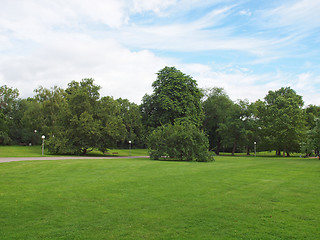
[181, 141]
[283, 120]
[232, 131]
[132, 119]
[8, 99]
[175, 95]
[76, 120]
[4, 129]
[86, 122]
[9, 108]
[217, 108]
[313, 138]
[312, 112]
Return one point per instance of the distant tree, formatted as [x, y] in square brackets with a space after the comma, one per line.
[312, 112]
[9, 106]
[131, 117]
[42, 112]
[52, 100]
[182, 141]
[252, 129]
[8, 99]
[175, 95]
[283, 120]
[312, 140]
[232, 130]
[217, 108]
[113, 129]
[86, 122]
[4, 129]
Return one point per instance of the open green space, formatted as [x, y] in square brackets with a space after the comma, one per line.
[36, 151]
[231, 198]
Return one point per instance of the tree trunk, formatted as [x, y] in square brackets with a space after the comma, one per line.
[234, 148]
[248, 150]
[288, 154]
[218, 148]
[84, 151]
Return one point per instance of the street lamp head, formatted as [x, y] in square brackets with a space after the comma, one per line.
[35, 131]
[43, 137]
[255, 143]
[129, 141]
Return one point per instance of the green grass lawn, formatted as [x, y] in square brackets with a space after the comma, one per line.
[36, 151]
[231, 198]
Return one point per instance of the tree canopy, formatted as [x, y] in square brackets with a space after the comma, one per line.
[180, 141]
[283, 119]
[175, 95]
[77, 119]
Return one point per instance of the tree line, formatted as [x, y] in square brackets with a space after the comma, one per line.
[77, 119]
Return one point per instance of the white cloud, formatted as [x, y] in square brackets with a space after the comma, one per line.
[53, 42]
[156, 6]
[245, 12]
[244, 84]
[62, 58]
[301, 15]
[192, 37]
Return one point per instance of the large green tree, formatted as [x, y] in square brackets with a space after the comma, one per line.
[314, 137]
[87, 122]
[9, 115]
[232, 130]
[175, 95]
[218, 108]
[283, 120]
[312, 113]
[42, 111]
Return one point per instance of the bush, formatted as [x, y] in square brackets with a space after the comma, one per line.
[182, 141]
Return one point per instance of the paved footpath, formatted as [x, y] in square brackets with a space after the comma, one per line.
[15, 159]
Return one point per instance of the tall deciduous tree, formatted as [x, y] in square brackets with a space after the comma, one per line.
[283, 119]
[175, 95]
[217, 108]
[131, 117]
[9, 109]
[314, 137]
[42, 112]
[251, 125]
[312, 112]
[232, 130]
[87, 122]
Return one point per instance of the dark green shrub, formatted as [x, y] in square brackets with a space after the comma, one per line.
[182, 141]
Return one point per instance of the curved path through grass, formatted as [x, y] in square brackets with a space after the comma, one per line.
[15, 159]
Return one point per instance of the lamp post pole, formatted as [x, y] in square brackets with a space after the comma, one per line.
[255, 149]
[34, 142]
[43, 137]
[129, 148]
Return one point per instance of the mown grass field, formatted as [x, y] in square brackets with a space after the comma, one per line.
[231, 198]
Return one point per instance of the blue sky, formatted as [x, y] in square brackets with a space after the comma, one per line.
[246, 47]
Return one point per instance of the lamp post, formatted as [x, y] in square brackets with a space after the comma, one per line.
[255, 149]
[34, 140]
[43, 137]
[129, 148]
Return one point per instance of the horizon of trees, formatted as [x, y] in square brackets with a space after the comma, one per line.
[77, 119]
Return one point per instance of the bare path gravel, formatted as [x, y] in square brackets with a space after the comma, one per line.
[15, 159]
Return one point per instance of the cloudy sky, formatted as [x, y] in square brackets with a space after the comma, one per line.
[246, 47]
